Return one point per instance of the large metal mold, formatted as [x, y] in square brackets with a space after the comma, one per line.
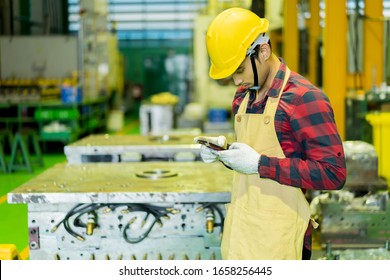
[351, 221]
[124, 182]
[144, 210]
[362, 167]
[134, 148]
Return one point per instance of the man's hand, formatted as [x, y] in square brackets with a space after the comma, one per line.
[241, 158]
[209, 155]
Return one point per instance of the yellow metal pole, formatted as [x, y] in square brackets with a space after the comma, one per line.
[373, 44]
[290, 35]
[335, 59]
[314, 37]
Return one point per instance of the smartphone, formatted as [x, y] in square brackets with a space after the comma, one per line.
[211, 145]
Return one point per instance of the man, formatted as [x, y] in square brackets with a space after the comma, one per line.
[287, 142]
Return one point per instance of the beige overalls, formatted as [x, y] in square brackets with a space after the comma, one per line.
[265, 219]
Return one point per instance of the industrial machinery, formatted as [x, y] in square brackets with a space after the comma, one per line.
[362, 168]
[137, 210]
[382, 253]
[350, 220]
[150, 197]
[128, 197]
[134, 148]
[357, 217]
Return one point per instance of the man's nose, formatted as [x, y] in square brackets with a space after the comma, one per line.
[237, 80]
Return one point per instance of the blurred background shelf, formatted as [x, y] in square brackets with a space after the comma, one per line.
[56, 121]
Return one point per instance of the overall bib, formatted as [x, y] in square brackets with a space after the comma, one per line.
[265, 219]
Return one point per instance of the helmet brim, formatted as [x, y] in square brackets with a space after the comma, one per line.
[218, 74]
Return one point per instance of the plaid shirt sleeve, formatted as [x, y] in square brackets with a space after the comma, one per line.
[309, 138]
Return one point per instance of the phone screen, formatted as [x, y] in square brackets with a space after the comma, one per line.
[211, 145]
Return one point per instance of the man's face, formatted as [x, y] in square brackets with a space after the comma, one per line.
[243, 76]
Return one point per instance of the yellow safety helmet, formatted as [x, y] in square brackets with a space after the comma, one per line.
[229, 37]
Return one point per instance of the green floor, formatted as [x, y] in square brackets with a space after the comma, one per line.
[13, 217]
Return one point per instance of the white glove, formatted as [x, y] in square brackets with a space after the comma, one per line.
[209, 155]
[241, 158]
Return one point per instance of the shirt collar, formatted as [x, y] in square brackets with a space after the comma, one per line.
[278, 80]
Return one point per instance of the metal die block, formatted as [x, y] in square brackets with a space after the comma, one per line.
[127, 231]
[362, 167]
[134, 148]
[145, 210]
[357, 223]
[143, 182]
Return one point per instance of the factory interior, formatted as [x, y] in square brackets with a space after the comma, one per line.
[100, 101]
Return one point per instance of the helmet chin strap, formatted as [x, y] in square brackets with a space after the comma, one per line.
[262, 39]
[256, 86]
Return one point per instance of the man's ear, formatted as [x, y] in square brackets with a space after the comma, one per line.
[265, 51]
